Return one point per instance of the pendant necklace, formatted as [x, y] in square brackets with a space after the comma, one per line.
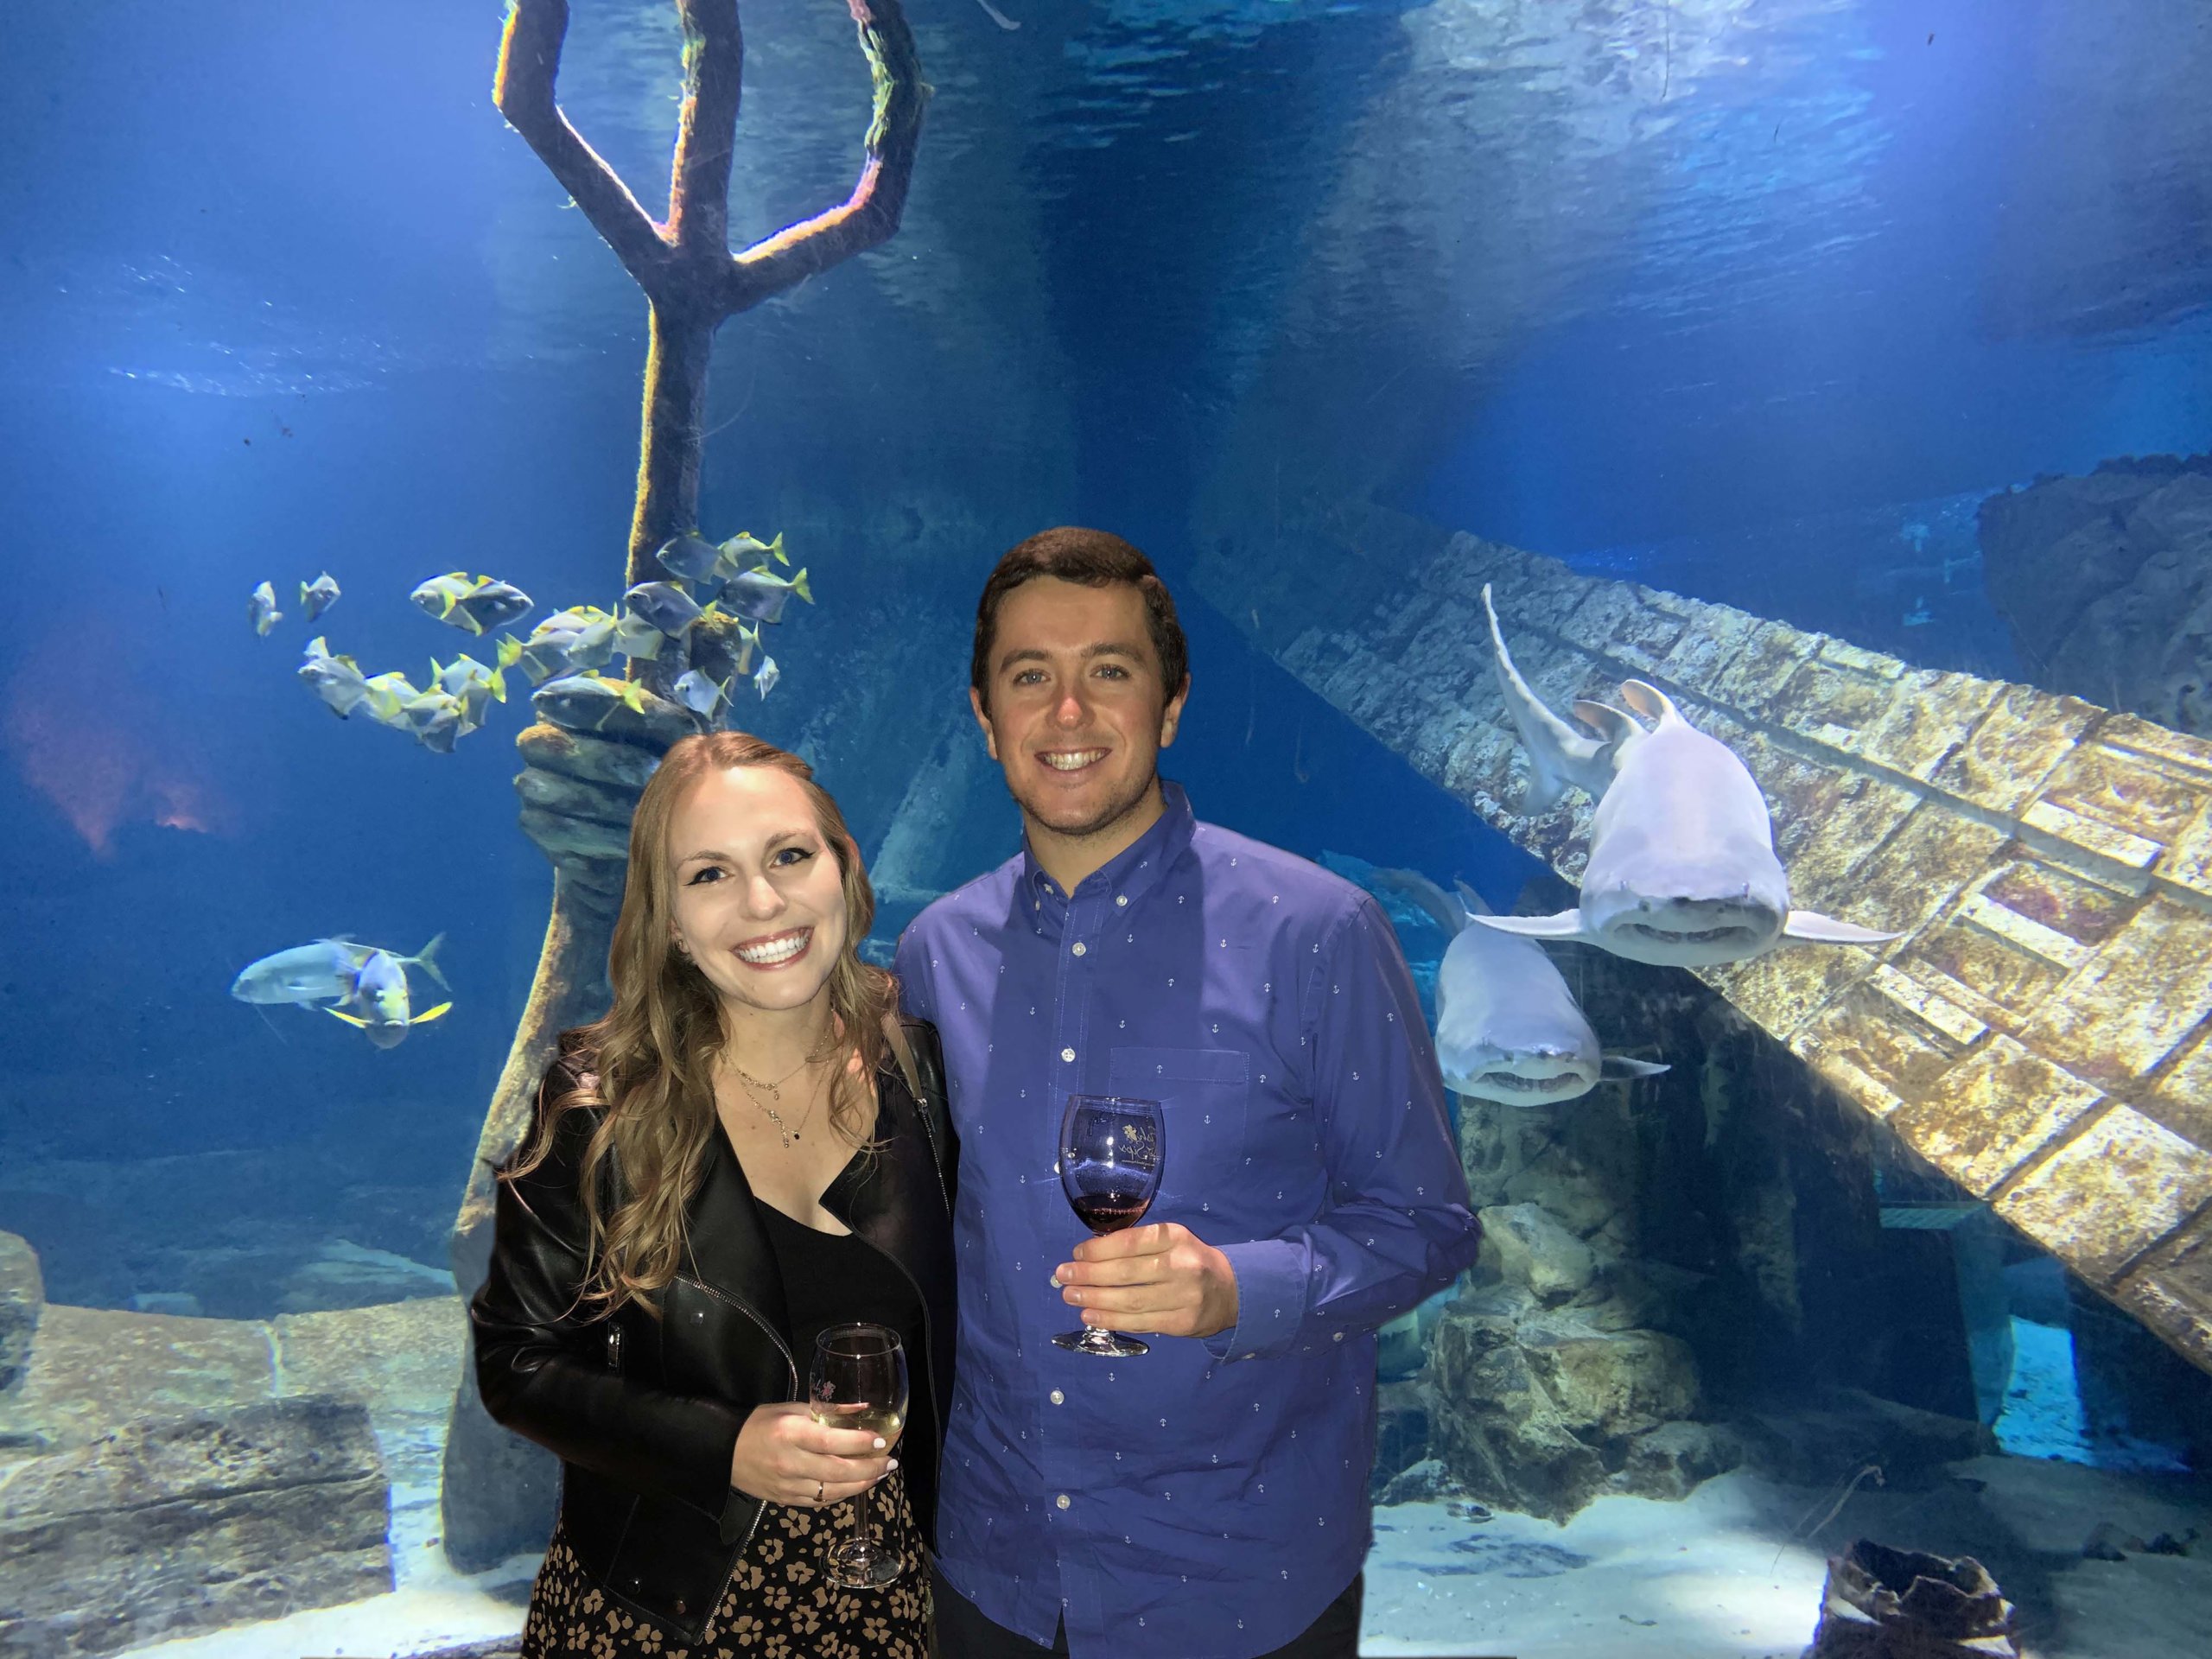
[748, 1081]
[775, 1087]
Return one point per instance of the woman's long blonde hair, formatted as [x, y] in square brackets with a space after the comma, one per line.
[654, 1052]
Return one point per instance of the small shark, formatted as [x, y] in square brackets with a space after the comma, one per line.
[1508, 1029]
[1682, 869]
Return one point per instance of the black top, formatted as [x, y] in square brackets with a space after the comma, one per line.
[838, 1279]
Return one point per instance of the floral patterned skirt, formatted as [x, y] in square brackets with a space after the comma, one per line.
[778, 1605]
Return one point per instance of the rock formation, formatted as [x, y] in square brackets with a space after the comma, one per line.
[23, 1293]
[2107, 583]
[163, 1477]
[190, 1523]
[1897, 1603]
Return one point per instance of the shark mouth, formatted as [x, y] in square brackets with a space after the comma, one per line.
[1558, 1085]
[1693, 932]
[1690, 935]
[1524, 1078]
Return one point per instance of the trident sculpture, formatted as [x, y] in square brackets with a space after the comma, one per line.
[497, 1493]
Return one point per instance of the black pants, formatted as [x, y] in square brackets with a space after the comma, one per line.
[964, 1633]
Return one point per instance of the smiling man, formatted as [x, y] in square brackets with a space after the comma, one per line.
[1208, 1499]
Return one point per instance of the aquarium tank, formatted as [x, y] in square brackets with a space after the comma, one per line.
[1584, 438]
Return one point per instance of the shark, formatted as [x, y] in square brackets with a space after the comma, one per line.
[1508, 1029]
[1682, 869]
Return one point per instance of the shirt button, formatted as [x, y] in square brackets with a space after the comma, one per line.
[1122, 900]
[1079, 947]
[1339, 1337]
[1062, 1500]
[1067, 1054]
[1059, 1399]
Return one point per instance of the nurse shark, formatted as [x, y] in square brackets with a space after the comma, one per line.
[1508, 1029]
[1683, 870]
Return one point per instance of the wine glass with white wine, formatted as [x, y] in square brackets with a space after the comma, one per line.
[860, 1382]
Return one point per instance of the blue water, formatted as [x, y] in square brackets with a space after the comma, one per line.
[1751, 299]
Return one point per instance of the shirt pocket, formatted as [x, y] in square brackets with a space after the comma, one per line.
[1204, 1095]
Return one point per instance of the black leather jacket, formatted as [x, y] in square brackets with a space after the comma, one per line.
[644, 1413]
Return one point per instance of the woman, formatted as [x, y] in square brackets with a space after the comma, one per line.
[750, 1146]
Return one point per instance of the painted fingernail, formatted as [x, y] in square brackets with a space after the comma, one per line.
[889, 1466]
[881, 1442]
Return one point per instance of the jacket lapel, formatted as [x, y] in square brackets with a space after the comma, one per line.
[729, 1248]
[893, 1202]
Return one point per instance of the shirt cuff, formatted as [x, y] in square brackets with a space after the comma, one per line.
[1270, 1299]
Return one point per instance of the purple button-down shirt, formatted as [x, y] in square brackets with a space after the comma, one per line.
[1207, 1500]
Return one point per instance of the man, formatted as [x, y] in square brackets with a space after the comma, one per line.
[1207, 1500]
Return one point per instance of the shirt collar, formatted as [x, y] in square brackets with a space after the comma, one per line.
[1131, 874]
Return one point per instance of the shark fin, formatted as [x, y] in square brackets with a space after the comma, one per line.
[429, 1015]
[1620, 731]
[1619, 1068]
[1471, 901]
[1567, 924]
[353, 1021]
[1651, 701]
[1557, 755]
[1434, 902]
[1810, 927]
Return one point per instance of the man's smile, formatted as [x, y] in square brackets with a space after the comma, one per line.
[1072, 759]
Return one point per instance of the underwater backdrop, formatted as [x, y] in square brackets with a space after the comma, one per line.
[1843, 367]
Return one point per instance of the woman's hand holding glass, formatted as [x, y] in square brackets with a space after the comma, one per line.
[783, 1456]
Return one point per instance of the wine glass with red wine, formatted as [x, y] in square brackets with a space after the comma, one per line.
[1111, 1149]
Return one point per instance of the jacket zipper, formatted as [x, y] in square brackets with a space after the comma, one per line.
[789, 1364]
[937, 1158]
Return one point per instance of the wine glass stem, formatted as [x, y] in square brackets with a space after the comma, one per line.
[859, 1521]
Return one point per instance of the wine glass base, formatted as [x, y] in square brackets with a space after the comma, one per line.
[856, 1565]
[1107, 1345]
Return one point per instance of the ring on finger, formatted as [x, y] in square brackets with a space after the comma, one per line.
[820, 1486]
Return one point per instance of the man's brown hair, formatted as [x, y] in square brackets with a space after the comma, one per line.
[1091, 558]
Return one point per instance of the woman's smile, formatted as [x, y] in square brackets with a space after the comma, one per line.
[776, 949]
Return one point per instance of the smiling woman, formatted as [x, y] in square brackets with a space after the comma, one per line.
[749, 1149]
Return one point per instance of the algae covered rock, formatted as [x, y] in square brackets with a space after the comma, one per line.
[1899, 1604]
[171, 1527]
[1526, 1245]
[22, 1295]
